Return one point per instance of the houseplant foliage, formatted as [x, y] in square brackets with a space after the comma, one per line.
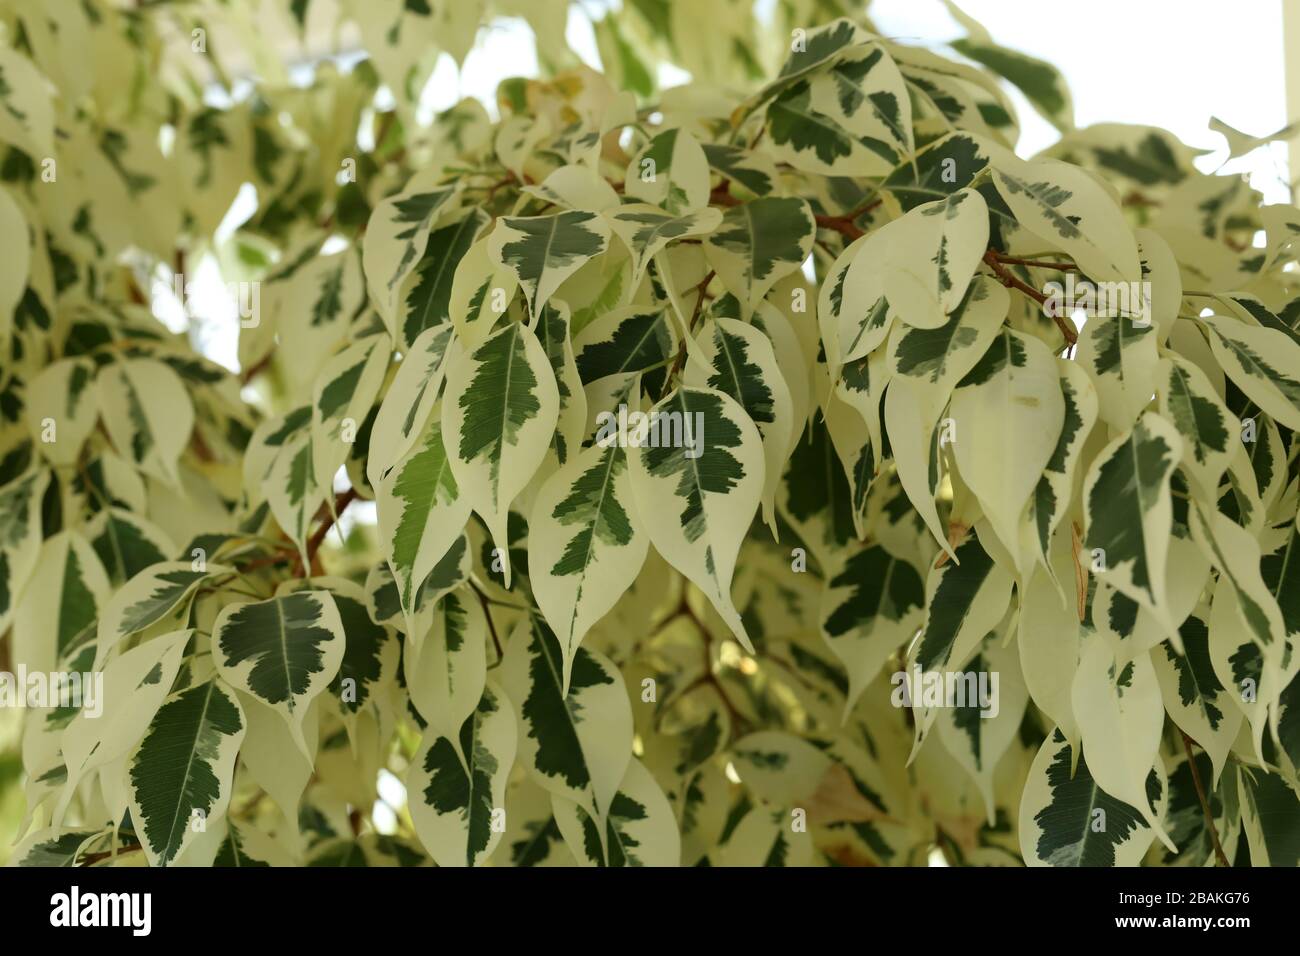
[392, 548]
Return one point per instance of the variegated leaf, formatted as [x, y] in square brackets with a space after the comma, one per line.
[20, 537]
[481, 290]
[1189, 401]
[1120, 714]
[396, 237]
[1067, 819]
[576, 745]
[979, 729]
[1052, 496]
[543, 251]
[570, 429]
[1263, 363]
[421, 511]
[135, 685]
[1128, 512]
[284, 652]
[148, 414]
[457, 783]
[697, 479]
[1040, 81]
[409, 401]
[446, 665]
[1007, 415]
[181, 772]
[427, 291]
[742, 364]
[965, 598]
[1070, 211]
[1193, 696]
[498, 416]
[62, 409]
[56, 613]
[646, 230]
[149, 598]
[586, 544]
[640, 828]
[341, 398]
[1121, 354]
[933, 252]
[758, 243]
[670, 171]
[870, 608]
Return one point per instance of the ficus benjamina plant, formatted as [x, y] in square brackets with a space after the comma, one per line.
[771, 470]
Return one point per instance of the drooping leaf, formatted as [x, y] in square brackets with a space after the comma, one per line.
[395, 241]
[1128, 512]
[498, 416]
[701, 469]
[458, 787]
[1066, 819]
[577, 744]
[421, 510]
[543, 251]
[284, 651]
[758, 243]
[181, 772]
[640, 828]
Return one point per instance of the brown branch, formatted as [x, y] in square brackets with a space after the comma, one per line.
[265, 560]
[318, 536]
[1035, 263]
[499, 184]
[256, 369]
[201, 449]
[1080, 575]
[681, 352]
[721, 195]
[1012, 281]
[287, 554]
[1205, 803]
[487, 613]
[738, 720]
[133, 291]
[91, 858]
[843, 224]
[1136, 198]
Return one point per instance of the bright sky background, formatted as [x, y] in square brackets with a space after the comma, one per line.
[1169, 63]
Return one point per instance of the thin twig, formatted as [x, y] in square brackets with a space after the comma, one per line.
[1080, 575]
[200, 445]
[681, 352]
[1205, 803]
[487, 612]
[500, 183]
[738, 720]
[92, 858]
[318, 536]
[256, 369]
[843, 224]
[721, 195]
[1012, 281]
[1035, 263]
